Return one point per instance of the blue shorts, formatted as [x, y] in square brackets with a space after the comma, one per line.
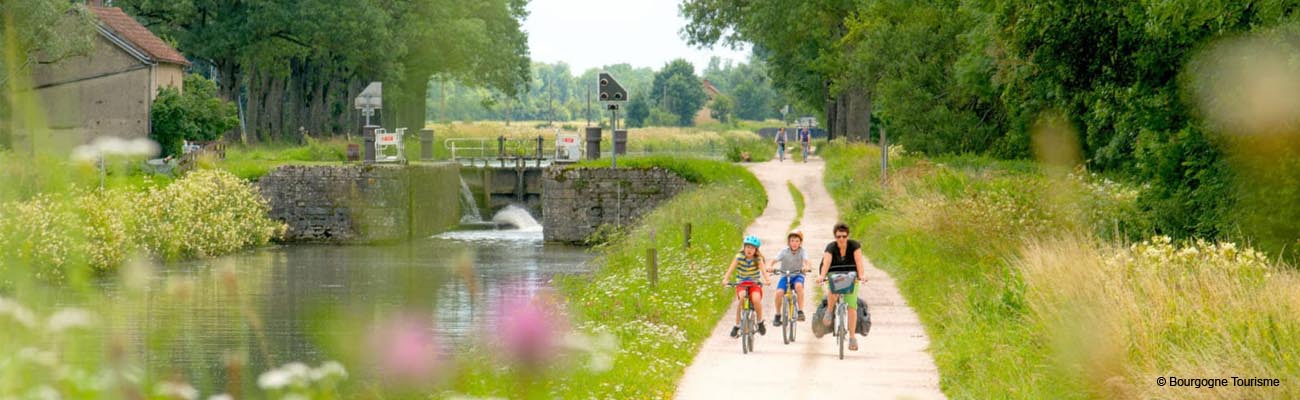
[794, 279]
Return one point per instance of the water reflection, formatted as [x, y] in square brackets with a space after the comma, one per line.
[314, 302]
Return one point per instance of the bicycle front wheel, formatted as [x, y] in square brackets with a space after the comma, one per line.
[790, 319]
[840, 332]
[745, 332]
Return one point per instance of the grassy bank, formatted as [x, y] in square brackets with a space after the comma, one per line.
[719, 141]
[1029, 287]
[649, 335]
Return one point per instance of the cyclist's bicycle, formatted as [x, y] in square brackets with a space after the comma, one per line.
[789, 306]
[806, 145]
[748, 323]
[842, 283]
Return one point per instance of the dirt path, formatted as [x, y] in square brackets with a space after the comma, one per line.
[891, 362]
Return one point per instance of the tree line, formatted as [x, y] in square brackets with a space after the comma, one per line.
[296, 64]
[672, 95]
[950, 77]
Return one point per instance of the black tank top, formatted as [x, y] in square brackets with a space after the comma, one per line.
[844, 263]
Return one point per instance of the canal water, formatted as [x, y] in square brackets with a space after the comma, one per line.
[312, 303]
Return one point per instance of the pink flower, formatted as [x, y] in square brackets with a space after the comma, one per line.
[404, 350]
[529, 332]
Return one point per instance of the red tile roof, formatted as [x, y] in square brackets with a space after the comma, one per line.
[129, 29]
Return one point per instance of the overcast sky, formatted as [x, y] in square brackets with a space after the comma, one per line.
[591, 33]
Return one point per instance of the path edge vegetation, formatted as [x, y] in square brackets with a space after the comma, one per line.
[1034, 271]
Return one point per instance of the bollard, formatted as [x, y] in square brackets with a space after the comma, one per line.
[426, 144]
[620, 142]
[501, 150]
[368, 141]
[539, 151]
[354, 152]
[593, 142]
[686, 236]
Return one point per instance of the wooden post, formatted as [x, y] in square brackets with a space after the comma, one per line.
[884, 157]
[652, 260]
[686, 236]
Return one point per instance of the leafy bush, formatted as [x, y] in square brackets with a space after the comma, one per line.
[208, 212]
[196, 114]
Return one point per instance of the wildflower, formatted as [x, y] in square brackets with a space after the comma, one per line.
[528, 333]
[176, 390]
[68, 318]
[295, 374]
[17, 312]
[328, 369]
[405, 350]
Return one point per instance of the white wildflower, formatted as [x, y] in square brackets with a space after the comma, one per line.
[68, 318]
[294, 373]
[176, 390]
[16, 311]
[328, 369]
[45, 392]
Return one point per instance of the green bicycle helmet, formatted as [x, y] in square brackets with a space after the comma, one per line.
[753, 241]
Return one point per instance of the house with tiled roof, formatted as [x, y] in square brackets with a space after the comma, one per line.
[110, 89]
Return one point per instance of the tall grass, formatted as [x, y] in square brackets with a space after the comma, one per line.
[1027, 269]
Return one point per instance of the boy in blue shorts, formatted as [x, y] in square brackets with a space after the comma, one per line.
[793, 260]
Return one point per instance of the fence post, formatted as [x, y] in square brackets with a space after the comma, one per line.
[686, 236]
[884, 157]
[652, 259]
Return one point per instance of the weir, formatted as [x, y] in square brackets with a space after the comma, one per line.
[496, 187]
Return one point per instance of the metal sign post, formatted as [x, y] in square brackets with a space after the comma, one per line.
[612, 94]
[370, 99]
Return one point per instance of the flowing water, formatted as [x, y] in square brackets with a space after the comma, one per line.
[467, 205]
[312, 303]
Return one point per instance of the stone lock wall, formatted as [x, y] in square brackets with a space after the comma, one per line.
[576, 202]
[363, 203]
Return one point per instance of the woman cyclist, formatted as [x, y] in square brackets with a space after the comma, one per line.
[842, 256]
[748, 266]
[794, 261]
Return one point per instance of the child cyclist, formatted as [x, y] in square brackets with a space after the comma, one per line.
[748, 266]
[794, 261]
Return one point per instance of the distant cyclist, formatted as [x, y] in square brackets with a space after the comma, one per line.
[748, 266]
[793, 260]
[844, 256]
[780, 143]
[805, 139]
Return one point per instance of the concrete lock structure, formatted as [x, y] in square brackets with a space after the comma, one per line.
[593, 142]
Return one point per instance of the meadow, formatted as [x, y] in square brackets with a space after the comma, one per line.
[1038, 282]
